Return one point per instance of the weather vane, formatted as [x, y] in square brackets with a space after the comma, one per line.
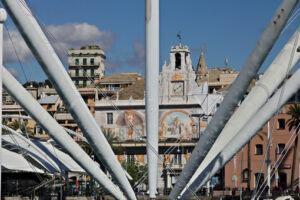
[179, 37]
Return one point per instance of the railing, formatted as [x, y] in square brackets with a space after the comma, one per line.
[80, 64]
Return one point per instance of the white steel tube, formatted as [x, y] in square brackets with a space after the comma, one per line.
[52, 66]
[152, 76]
[236, 93]
[3, 17]
[259, 94]
[50, 125]
[248, 131]
[268, 160]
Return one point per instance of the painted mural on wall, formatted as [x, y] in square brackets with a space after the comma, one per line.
[177, 124]
[130, 126]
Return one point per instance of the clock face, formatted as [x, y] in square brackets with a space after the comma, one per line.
[177, 88]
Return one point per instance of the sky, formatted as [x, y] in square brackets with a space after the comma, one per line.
[223, 29]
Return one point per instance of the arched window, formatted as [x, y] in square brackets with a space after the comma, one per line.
[245, 175]
[177, 61]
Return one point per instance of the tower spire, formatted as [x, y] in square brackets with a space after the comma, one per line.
[201, 66]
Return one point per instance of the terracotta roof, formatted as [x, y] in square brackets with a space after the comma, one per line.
[120, 78]
[136, 91]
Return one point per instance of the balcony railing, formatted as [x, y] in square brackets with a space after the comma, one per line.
[80, 64]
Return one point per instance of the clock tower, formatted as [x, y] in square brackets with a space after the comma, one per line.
[177, 78]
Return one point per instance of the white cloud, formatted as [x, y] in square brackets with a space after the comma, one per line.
[62, 37]
[20, 46]
[138, 58]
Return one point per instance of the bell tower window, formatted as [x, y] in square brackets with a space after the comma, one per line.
[177, 61]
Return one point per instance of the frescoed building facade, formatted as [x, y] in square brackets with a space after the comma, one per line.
[181, 116]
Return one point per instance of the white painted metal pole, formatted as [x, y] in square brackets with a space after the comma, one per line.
[52, 66]
[3, 17]
[152, 78]
[50, 125]
[236, 93]
[268, 160]
[247, 132]
[259, 94]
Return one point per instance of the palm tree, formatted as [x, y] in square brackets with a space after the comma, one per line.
[111, 139]
[293, 123]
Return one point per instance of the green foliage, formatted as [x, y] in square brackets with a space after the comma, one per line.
[136, 171]
[86, 147]
[111, 139]
[22, 125]
[294, 121]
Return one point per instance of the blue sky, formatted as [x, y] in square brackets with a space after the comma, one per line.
[227, 29]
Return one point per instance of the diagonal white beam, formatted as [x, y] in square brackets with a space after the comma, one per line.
[54, 69]
[271, 79]
[246, 133]
[236, 93]
[50, 125]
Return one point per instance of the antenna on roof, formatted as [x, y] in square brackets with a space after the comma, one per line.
[226, 62]
[179, 38]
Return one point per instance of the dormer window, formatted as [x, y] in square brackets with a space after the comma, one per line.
[177, 61]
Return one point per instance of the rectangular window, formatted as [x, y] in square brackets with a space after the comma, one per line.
[84, 61]
[77, 72]
[259, 149]
[280, 149]
[281, 124]
[76, 61]
[77, 83]
[92, 72]
[109, 119]
[84, 83]
[84, 72]
[92, 61]
[38, 130]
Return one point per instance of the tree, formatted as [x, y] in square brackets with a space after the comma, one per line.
[111, 139]
[22, 125]
[293, 123]
[135, 170]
